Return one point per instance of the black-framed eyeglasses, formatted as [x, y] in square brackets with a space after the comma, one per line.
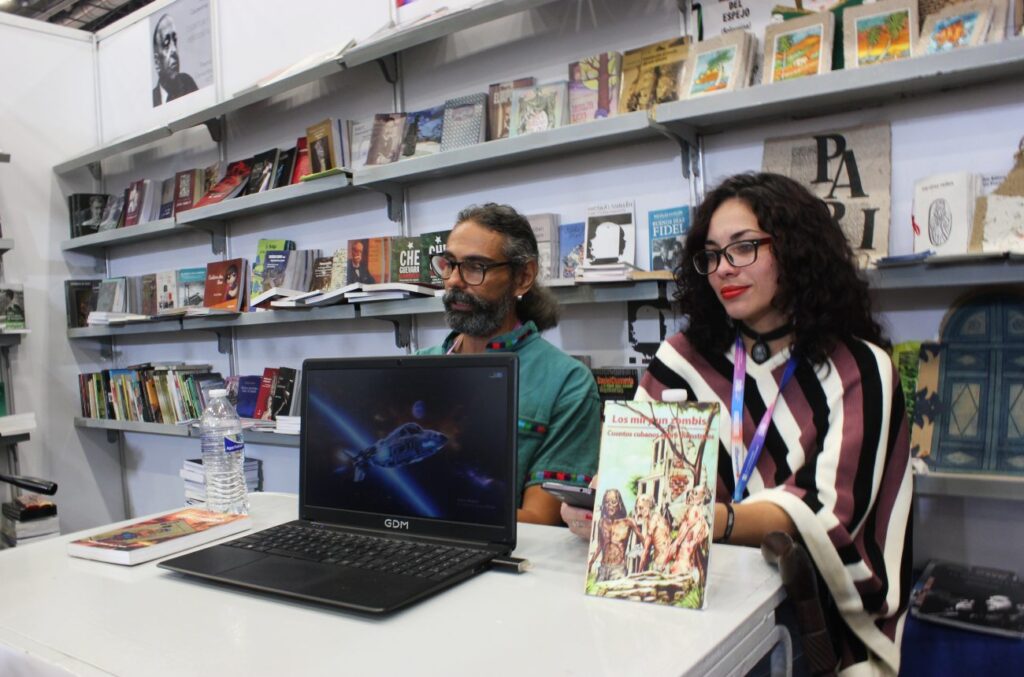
[738, 254]
[472, 272]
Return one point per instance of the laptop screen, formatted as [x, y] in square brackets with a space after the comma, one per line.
[419, 440]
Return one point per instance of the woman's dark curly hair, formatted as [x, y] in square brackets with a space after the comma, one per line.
[818, 282]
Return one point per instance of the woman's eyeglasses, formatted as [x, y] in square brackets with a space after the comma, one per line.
[738, 254]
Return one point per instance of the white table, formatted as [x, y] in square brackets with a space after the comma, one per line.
[61, 615]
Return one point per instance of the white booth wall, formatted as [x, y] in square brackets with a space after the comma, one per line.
[929, 135]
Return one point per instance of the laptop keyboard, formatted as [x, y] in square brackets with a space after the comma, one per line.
[410, 558]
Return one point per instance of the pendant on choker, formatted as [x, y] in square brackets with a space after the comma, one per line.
[760, 352]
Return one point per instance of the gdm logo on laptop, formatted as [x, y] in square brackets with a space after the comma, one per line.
[396, 524]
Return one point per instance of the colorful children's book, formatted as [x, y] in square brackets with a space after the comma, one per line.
[594, 87]
[159, 536]
[570, 248]
[656, 494]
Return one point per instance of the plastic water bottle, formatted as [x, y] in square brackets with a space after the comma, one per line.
[223, 455]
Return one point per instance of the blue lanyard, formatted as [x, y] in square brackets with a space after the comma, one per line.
[749, 461]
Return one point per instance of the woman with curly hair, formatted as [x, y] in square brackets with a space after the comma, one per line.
[780, 334]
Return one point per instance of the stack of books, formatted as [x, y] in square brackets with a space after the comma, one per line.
[289, 425]
[27, 519]
[195, 479]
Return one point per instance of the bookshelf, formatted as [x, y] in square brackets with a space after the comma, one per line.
[647, 290]
[374, 48]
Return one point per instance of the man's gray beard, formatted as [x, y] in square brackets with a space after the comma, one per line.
[483, 321]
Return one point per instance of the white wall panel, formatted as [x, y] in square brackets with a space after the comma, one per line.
[125, 62]
[259, 37]
[47, 113]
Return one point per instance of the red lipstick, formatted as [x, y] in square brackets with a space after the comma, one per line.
[731, 292]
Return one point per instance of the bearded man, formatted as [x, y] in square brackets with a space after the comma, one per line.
[493, 303]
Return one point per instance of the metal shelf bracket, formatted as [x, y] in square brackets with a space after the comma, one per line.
[688, 144]
[96, 169]
[389, 68]
[223, 341]
[113, 435]
[402, 326]
[215, 126]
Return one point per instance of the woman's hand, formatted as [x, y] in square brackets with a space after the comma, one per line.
[579, 520]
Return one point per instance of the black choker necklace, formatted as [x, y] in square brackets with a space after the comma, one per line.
[761, 352]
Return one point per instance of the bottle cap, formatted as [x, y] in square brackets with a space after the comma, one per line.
[673, 395]
[219, 392]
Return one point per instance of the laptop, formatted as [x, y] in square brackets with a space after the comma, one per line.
[414, 455]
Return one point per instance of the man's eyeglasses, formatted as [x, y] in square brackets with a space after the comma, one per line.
[738, 254]
[472, 272]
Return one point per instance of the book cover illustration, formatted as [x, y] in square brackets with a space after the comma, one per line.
[594, 87]
[284, 389]
[166, 209]
[432, 244]
[265, 396]
[149, 294]
[112, 213]
[974, 598]
[570, 248]
[539, 108]
[231, 185]
[499, 106]
[611, 233]
[943, 212]
[285, 167]
[86, 212]
[616, 383]
[961, 25]
[465, 121]
[423, 130]
[263, 246]
[406, 265]
[652, 74]
[81, 297]
[387, 139]
[360, 135]
[323, 269]
[261, 178]
[369, 260]
[302, 166]
[154, 532]
[798, 48]
[224, 284]
[324, 143]
[879, 32]
[656, 483]
[667, 229]
[248, 392]
[188, 189]
[713, 70]
[851, 170]
[191, 287]
[339, 268]
[12, 307]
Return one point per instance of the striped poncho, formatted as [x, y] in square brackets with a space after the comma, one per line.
[837, 460]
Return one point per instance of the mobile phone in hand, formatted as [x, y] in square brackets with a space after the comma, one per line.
[573, 494]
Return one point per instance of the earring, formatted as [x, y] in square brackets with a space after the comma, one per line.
[519, 297]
